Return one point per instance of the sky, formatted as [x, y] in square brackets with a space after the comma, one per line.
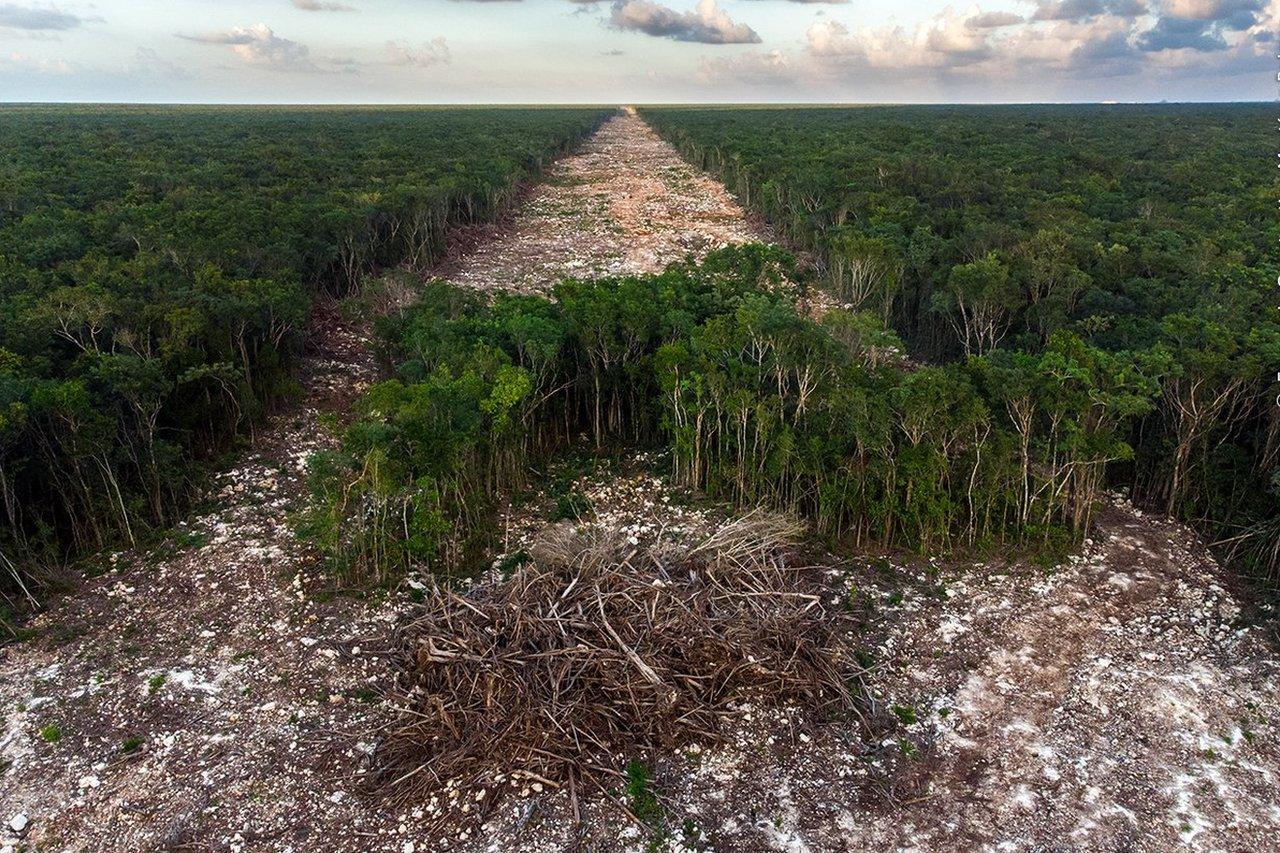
[637, 51]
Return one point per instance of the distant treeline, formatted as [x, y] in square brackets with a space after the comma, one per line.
[758, 403]
[1147, 234]
[156, 271]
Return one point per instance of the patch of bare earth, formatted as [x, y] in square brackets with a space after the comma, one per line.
[209, 694]
[1115, 702]
[625, 204]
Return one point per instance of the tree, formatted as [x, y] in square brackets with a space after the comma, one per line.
[978, 300]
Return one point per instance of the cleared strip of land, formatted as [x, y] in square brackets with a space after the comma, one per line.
[625, 204]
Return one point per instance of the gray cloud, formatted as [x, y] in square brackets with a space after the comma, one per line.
[18, 17]
[1079, 10]
[1228, 14]
[1199, 24]
[708, 23]
[1177, 34]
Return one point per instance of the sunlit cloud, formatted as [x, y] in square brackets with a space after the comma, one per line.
[258, 45]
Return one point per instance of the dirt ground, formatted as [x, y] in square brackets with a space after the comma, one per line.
[625, 204]
[213, 694]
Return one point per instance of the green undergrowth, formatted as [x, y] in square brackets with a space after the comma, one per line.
[752, 402]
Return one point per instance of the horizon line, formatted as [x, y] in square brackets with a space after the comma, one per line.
[620, 104]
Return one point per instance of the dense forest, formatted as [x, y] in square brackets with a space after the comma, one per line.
[157, 266]
[1017, 244]
[758, 403]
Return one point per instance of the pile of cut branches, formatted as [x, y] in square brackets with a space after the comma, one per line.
[599, 649]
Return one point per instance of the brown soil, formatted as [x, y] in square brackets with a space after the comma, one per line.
[212, 694]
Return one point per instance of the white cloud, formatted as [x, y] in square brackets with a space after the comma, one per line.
[434, 52]
[259, 46]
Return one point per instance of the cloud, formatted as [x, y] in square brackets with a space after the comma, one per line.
[1081, 10]
[321, 6]
[1178, 34]
[1200, 25]
[259, 46]
[1079, 39]
[708, 23]
[21, 62]
[434, 52]
[974, 48]
[992, 20]
[755, 68]
[946, 40]
[1232, 14]
[13, 16]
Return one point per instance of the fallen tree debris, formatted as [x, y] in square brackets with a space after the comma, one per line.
[599, 649]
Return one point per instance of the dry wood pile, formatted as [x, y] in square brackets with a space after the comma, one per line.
[600, 650]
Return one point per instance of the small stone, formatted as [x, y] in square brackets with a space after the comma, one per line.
[88, 782]
[18, 823]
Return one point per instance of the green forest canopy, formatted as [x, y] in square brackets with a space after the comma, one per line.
[156, 270]
[1148, 232]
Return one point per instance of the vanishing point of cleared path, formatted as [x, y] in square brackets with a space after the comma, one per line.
[625, 204]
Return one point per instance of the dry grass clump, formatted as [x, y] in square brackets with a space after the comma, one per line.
[598, 649]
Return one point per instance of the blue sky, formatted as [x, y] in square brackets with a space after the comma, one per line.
[627, 51]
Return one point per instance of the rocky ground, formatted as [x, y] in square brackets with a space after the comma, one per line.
[625, 204]
[213, 692]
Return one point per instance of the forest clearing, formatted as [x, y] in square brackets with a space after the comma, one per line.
[221, 690]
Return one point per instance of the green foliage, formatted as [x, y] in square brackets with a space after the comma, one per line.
[643, 801]
[51, 734]
[905, 714]
[758, 403]
[156, 271]
[1146, 232]
[570, 505]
